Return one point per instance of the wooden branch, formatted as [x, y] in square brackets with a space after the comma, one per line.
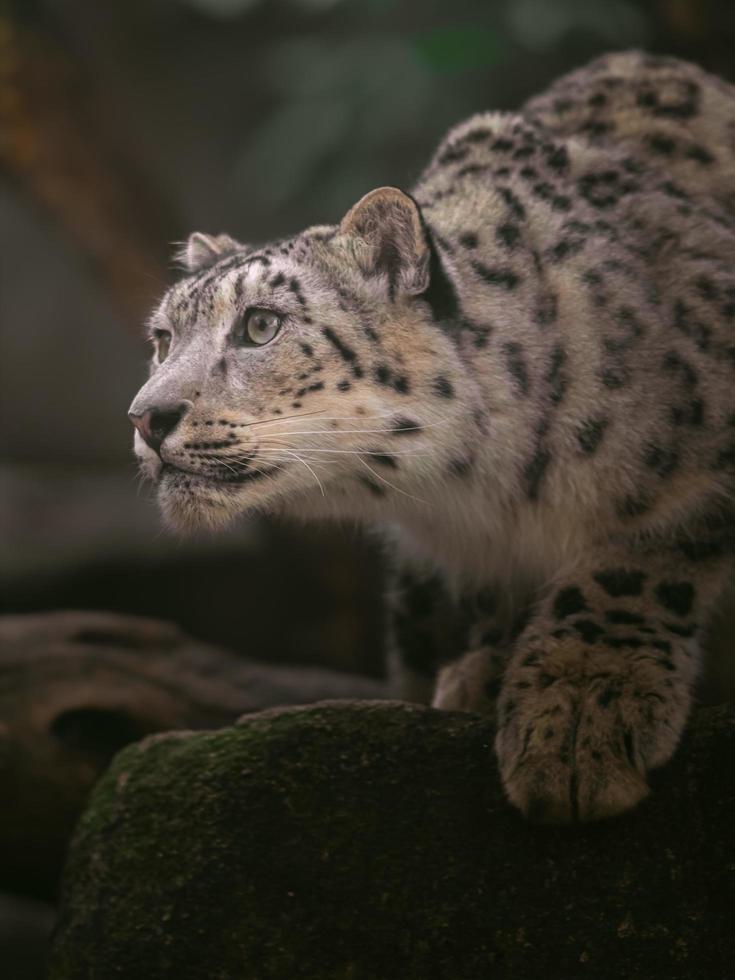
[77, 686]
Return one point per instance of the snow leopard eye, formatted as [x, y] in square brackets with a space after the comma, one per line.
[256, 328]
[163, 344]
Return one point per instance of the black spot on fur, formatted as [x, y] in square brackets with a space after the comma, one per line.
[620, 582]
[345, 352]
[403, 426]
[546, 192]
[547, 309]
[385, 459]
[558, 159]
[633, 505]
[565, 248]
[705, 548]
[468, 239]
[688, 324]
[706, 288]
[597, 127]
[295, 287]
[691, 413]
[517, 366]
[513, 202]
[535, 469]
[677, 100]
[603, 189]
[477, 135]
[508, 234]
[496, 276]
[443, 387]
[699, 154]
[568, 602]
[524, 152]
[673, 190]
[563, 105]
[452, 154]
[617, 642]
[590, 433]
[374, 488]
[677, 597]
[588, 630]
[384, 376]
[460, 467]
[343, 385]
[675, 364]
[624, 617]
[615, 376]
[661, 460]
[556, 378]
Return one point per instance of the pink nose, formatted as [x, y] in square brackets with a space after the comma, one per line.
[157, 423]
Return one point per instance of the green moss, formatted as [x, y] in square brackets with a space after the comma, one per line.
[371, 840]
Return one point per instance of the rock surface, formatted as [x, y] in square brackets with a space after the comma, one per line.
[77, 686]
[370, 841]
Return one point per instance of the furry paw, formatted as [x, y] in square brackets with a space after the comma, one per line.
[471, 683]
[578, 734]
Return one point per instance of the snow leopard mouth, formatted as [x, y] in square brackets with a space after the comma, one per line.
[187, 479]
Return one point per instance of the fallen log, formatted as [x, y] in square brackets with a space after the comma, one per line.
[75, 687]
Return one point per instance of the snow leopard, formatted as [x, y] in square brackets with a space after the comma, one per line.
[521, 369]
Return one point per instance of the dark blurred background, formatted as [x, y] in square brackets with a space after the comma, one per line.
[125, 125]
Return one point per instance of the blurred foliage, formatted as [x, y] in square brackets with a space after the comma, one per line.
[541, 24]
[326, 98]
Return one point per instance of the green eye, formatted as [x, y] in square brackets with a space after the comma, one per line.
[256, 328]
[163, 344]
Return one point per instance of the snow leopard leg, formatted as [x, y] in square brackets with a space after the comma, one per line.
[429, 629]
[473, 682]
[598, 688]
[425, 629]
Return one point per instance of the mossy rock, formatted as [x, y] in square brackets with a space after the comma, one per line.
[371, 841]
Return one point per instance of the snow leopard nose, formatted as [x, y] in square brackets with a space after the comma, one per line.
[157, 423]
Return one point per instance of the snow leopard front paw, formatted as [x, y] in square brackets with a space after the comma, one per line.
[580, 729]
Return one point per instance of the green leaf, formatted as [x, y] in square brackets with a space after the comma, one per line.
[457, 49]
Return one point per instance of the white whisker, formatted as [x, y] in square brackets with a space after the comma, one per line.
[392, 486]
[340, 432]
[279, 418]
[319, 482]
[349, 452]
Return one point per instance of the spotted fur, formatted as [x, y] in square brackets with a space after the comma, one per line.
[525, 372]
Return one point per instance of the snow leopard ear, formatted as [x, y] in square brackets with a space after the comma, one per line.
[390, 222]
[203, 250]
